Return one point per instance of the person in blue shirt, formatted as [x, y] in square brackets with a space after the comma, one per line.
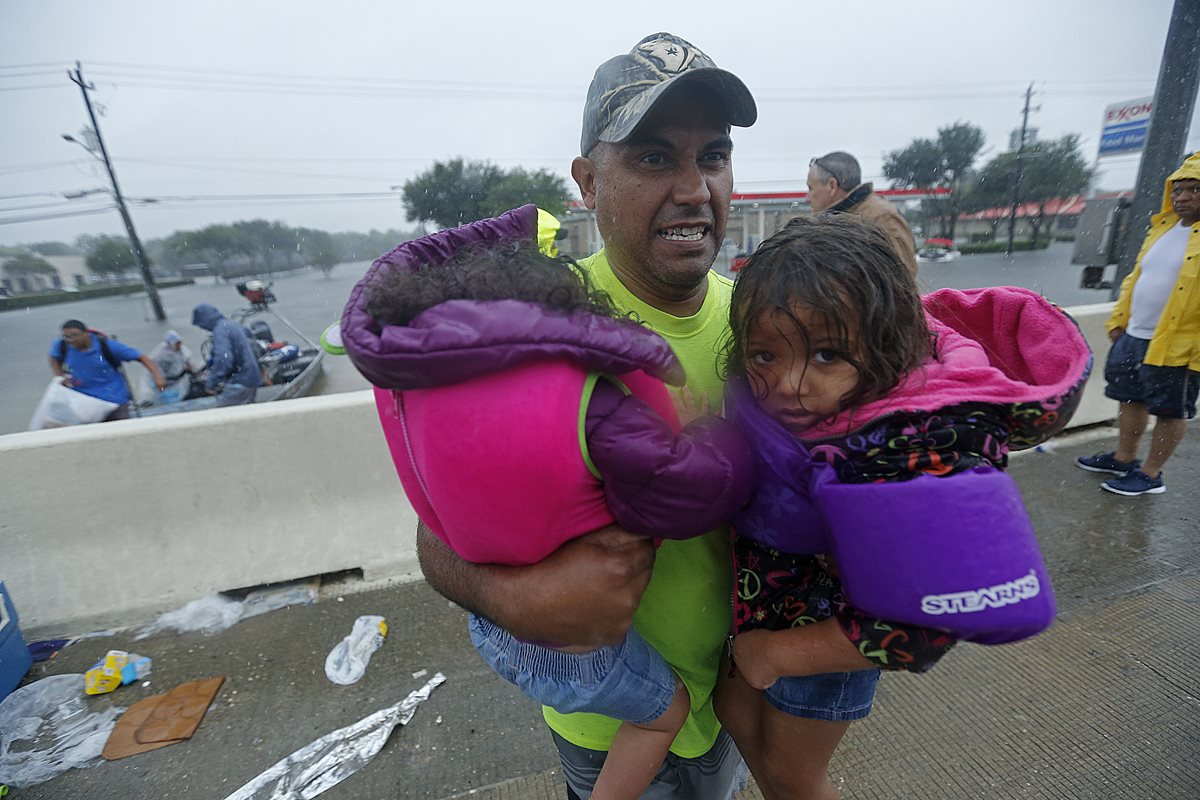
[88, 363]
[232, 371]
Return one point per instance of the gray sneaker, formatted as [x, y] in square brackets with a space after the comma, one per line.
[1107, 462]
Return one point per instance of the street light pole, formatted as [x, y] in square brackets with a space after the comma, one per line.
[139, 254]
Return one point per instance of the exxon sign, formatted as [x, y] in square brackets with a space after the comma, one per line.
[1125, 127]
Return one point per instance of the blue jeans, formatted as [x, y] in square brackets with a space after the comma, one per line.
[629, 682]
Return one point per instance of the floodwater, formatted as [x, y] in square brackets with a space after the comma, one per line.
[311, 302]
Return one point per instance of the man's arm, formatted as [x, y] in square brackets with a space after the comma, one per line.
[220, 363]
[58, 371]
[582, 596]
[155, 374]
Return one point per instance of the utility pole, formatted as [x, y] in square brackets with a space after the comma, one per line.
[76, 78]
[1171, 116]
[1016, 192]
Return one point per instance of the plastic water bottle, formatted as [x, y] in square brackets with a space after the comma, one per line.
[347, 661]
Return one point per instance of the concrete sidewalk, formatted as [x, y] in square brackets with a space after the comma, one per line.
[1104, 705]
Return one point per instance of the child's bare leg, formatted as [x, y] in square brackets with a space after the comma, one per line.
[638, 751]
[796, 752]
[739, 707]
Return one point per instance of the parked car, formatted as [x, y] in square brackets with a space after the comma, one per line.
[935, 250]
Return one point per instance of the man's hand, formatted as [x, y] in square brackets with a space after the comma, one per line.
[690, 406]
[752, 654]
[1115, 333]
[580, 597]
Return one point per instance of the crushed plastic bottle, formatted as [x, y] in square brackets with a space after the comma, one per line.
[347, 661]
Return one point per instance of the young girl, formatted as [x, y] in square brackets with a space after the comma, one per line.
[882, 529]
[496, 381]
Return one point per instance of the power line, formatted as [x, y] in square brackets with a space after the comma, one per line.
[32, 66]
[40, 217]
[36, 74]
[12, 170]
[246, 170]
[27, 194]
[34, 86]
[292, 77]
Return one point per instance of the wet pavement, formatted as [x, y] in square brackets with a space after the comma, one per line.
[1104, 705]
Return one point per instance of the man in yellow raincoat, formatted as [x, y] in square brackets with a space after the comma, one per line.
[1153, 367]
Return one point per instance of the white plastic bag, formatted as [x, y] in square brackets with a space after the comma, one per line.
[60, 407]
[347, 661]
[53, 729]
[208, 615]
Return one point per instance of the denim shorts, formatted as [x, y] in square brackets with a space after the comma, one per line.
[833, 696]
[1166, 391]
[630, 681]
[719, 774]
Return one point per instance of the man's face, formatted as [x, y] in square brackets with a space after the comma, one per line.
[823, 190]
[1185, 200]
[76, 338]
[662, 196]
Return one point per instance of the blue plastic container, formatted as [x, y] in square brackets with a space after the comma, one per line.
[15, 659]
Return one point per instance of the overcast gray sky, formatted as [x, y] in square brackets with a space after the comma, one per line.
[255, 98]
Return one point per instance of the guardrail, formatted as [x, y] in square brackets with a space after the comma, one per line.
[106, 525]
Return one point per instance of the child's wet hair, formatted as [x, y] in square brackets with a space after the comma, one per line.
[512, 270]
[845, 270]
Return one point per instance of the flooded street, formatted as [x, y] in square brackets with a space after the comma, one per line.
[311, 302]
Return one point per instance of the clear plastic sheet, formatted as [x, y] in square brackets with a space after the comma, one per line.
[208, 615]
[46, 728]
[334, 757]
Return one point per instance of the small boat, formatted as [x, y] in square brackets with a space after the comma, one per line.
[291, 366]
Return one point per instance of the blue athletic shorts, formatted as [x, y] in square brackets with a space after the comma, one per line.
[629, 682]
[833, 696]
[1166, 391]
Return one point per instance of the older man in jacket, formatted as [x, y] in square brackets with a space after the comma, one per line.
[835, 185]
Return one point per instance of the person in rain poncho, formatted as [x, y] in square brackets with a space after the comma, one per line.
[232, 372]
[174, 361]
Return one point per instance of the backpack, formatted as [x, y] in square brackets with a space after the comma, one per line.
[101, 339]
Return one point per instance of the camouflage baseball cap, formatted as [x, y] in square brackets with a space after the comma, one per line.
[626, 87]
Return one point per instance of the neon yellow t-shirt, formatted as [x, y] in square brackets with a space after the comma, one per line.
[684, 613]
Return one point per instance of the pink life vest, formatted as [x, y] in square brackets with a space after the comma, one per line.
[493, 464]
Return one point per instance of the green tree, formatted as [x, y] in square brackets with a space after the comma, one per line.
[24, 264]
[111, 255]
[1050, 170]
[53, 249]
[458, 191]
[944, 162]
[542, 188]
[960, 144]
[319, 249]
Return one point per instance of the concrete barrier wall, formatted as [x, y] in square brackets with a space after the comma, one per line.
[106, 525]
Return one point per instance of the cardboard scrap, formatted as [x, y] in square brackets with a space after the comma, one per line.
[161, 720]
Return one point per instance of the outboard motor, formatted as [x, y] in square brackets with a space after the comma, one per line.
[261, 331]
